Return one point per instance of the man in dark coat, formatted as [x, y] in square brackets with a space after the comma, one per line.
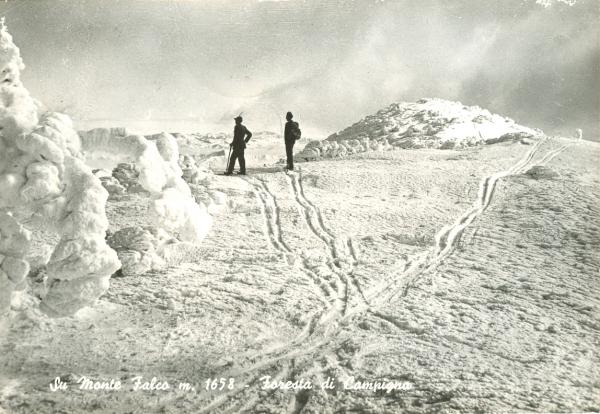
[241, 136]
[291, 134]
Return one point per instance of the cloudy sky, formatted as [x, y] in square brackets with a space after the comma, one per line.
[185, 65]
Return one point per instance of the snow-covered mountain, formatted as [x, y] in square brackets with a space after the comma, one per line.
[427, 123]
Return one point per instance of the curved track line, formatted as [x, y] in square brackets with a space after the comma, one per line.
[352, 250]
[550, 156]
[275, 208]
[315, 209]
[448, 237]
[309, 211]
[270, 211]
[354, 255]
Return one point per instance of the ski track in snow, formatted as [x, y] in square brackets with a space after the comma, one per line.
[447, 239]
[321, 331]
[343, 260]
[270, 210]
[550, 155]
[310, 212]
[338, 301]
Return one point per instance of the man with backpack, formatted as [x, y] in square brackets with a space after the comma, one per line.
[241, 136]
[291, 135]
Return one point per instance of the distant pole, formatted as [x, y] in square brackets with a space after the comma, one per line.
[228, 159]
[280, 126]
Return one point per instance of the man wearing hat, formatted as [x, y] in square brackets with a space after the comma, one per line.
[241, 136]
[291, 135]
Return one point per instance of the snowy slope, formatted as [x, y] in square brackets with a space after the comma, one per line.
[470, 274]
[427, 123]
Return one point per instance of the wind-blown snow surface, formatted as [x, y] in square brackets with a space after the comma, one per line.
[427, 123]
[471, 273]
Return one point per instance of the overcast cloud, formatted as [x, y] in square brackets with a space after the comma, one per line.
[191, 65]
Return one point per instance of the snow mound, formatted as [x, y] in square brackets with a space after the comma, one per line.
[139, 248]
[14, 242]
[194, 173]
[47, 183]
[124, 179]
[142, 249]
[427, 123]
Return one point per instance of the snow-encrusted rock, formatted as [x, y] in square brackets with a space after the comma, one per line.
[139, 248]
[14, 243]
[541, 172]
[192, 173]
[127, 176]
[113, 186]
[166, 145]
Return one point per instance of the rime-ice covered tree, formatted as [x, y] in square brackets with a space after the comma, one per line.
[45, 183]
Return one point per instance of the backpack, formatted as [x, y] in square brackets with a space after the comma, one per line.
[295, 131]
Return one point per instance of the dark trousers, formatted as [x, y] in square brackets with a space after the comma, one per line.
[237, 154]
[289, 153]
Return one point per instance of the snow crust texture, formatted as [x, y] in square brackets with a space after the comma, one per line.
[47, 184]
[427, 123]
